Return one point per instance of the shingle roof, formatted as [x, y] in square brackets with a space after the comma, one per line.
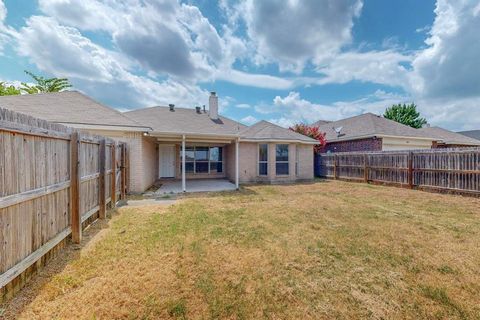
[475, 134]
[368, 125]
[320, 122]
[183, 121]
[69, 107]
[265, 130]
[449, 137]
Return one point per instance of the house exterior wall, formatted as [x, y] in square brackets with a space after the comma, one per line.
[140, 162]
[368, 144]
[248, 164]
[391, 144]
[377, 144]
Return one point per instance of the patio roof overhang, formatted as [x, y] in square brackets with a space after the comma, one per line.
[193, 137]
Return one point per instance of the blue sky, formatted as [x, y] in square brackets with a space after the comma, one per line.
[282, 61]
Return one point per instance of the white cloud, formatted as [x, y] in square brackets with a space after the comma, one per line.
[243, 106]
[295, 32]
[294, 109]
[63, 51]
[383, 67]
[249, 120]
[450, 66]
[256, 80]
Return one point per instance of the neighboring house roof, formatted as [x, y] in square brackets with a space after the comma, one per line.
[449, 137]
[184, 121]
[320, 122]
[266, 131]
[369, 125]
[475, 134]
[70, 108]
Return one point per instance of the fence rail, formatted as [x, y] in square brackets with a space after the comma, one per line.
[53, 180]
[456, 170]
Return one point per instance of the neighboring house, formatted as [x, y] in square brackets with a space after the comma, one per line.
[214, 146]
[449, 139]
[475, 134]
[211, 146]
[74, 109]
[369, 132]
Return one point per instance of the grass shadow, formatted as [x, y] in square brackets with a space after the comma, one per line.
[13, 307]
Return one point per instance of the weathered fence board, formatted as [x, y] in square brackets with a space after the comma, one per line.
[50, 179]
[455, 170]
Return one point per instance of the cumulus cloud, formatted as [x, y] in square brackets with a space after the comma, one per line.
[249, 120]
[295, 32]
[383, 67]
[63, 51]
[294, 109]
[449, 66]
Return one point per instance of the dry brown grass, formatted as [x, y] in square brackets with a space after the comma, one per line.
[323, 250]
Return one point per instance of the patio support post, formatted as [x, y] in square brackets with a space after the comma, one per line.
[236, 163]
[184, 185]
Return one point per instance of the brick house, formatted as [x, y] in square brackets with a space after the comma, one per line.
[369, 132]
[449, 139]
[180, 143]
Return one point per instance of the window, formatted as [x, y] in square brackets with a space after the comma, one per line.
[281, 159]
[263, 159]
[216, 157]
[202, 159]
[296, 160]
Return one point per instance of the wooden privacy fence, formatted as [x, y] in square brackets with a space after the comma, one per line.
[53, 180]
[455, 170]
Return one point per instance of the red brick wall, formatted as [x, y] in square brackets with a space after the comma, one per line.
[369, 144]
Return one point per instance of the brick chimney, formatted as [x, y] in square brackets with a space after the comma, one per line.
[213, 106]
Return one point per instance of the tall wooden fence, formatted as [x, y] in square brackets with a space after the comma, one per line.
[53, 180]
[456, 170]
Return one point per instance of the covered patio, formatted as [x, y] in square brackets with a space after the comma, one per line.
[198, 185]
[196, 163]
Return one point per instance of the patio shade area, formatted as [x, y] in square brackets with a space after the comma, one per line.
[198, 185]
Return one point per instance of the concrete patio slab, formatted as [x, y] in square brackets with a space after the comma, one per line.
[200, 185]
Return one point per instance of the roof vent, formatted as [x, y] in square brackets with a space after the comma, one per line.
[198, 109]
[172, 107]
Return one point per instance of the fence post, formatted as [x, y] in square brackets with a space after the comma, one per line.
[365, 168]
[76, 219]
[335, 167]
[410, 170]
[123, 175]
[101, 181]
[113, 192]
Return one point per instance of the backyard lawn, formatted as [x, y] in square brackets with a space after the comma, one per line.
[324, 250]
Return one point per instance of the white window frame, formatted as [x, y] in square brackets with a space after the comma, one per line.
[262, 161]
[282, 161]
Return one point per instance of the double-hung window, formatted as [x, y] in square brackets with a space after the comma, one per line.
[263, 159]
[281, 160]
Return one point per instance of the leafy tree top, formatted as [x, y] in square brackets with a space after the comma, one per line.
[8, 90]
[406, 114]
[43, 84]
[312, 132]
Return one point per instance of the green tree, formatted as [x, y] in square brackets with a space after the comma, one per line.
[406, 114]
[8, 90]
[43, 84]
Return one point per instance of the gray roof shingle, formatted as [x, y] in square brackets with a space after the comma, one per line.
[265, 130]
[183, 121]
[68, 107]
[449, 137]
[475, 134]
[368, 125]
